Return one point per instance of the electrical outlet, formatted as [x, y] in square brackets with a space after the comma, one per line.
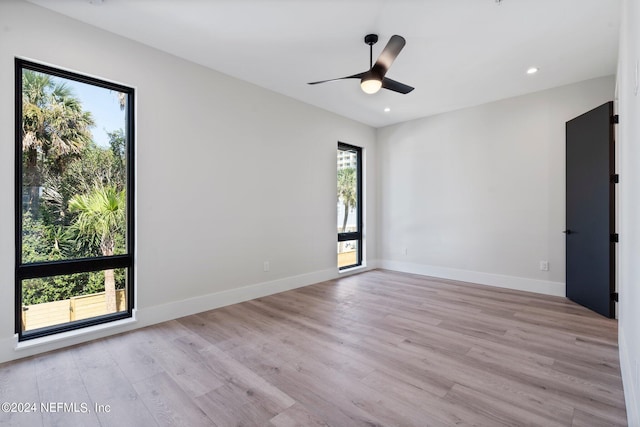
[266, 266]
[544, 265]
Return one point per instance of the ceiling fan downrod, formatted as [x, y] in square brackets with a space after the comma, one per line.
[371, 39]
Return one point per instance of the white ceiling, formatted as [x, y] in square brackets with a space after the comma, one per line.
[459, 53]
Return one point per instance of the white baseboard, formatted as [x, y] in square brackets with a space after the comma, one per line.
[491, 279]
[631, 392]
[10, 349]
[175, 309]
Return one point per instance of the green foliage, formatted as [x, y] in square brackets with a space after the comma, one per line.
[101, 216]
[117, 142]
[35, 243]
[98, 166]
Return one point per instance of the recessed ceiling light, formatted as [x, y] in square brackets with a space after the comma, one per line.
[387, 109]
[532, 70]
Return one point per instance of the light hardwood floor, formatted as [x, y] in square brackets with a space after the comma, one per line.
[375, 349]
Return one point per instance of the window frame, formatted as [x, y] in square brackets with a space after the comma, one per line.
[357, 235]
[76, 265]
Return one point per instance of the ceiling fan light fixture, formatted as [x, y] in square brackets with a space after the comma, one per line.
[370, 84]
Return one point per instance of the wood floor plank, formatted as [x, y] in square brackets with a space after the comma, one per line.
[356, 399]
[379, 348]
[231, 405]
[114, 399]
[297, 416]
[65, 396]
[583, 418]
[168, 403]
[18, 384]
[498, 382]
[499, 410]
[194, 378]
[315, 400]
[451, 413]
[252, 384]
[133, 359]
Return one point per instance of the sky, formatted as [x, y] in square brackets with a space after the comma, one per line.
[104, 107]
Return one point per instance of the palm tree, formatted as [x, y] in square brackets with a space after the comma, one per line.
[101, 218]
[347, 192]
[55, 128]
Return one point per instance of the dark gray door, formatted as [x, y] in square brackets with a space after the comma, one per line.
[590, 210]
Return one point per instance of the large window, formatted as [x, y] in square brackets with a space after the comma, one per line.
[74, 200]
[349, 206]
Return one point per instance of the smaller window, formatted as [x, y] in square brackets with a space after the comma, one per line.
[349, 217]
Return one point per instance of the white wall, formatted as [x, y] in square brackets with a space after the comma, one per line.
[629, 206]
[478, 194]
[228, 174]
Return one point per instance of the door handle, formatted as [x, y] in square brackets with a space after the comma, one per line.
[567, 231]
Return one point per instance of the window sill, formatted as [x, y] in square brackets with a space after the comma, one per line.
[87, 332]
[352, 269]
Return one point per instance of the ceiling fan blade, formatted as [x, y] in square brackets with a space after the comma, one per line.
[388, 55]
[395, 86]
[355, 76]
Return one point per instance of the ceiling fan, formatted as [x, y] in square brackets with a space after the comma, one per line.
[372, 80]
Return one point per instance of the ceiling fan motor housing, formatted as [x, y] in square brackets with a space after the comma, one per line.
[371, 39]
